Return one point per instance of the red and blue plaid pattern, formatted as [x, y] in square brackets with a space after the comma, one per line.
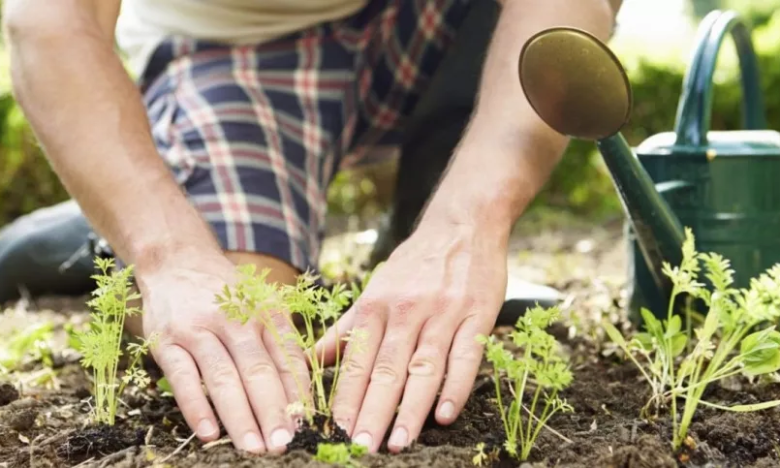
[254, 134]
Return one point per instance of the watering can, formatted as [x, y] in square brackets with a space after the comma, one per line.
[723, 185]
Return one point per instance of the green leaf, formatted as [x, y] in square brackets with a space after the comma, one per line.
[644, 340]
[652, 324]
[673, 326]
[614, 335]
[164, 385]
[678, 344]
[744, 408]
[711, 324]
[760, 352]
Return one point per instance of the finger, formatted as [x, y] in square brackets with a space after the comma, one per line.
[289, 360]
[387, 382]
[425, 374]
[182, 373]
[263, 385]
[332, 344]
[356, 365]
[462, 368]
[227, 392]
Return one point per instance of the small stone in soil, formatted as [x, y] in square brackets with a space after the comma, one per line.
[8, 394]
[22, 420]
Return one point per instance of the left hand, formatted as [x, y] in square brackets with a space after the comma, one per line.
[422, 311]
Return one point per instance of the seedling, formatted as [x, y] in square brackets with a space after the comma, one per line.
[736, 337]
[539, 368]
[340, 454]
[33, 342]
[272, 304]
[100, 344]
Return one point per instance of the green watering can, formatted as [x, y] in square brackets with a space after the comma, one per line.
[724, 185]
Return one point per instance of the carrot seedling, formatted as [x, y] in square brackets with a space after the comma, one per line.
[340, 454]
[274, 305]
[737, 336]
[539, 368]
[101, 344]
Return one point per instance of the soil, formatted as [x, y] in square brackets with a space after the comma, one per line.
[46, 425]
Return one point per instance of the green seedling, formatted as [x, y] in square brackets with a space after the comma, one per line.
[276, 306]
[539, 369]
[101, 343]
[340, 454]
[736, 337]
[33, 342]
[483, 458]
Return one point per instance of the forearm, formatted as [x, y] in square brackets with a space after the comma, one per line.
[507, 152]
[91, 122]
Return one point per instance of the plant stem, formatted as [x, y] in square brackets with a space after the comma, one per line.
[497, 380]
[337, 364]
[270, 325]
[526, 449]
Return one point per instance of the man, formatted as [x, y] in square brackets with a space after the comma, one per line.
[252, 105]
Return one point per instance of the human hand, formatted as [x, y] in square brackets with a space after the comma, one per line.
[243, 368]
[422, 311]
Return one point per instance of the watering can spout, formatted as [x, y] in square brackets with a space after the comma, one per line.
[579, 88]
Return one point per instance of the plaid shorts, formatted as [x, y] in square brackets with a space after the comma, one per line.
[255, 133]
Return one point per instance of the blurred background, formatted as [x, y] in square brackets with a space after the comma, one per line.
[653, 40]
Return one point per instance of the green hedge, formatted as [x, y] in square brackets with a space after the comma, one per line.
[26, 179]
[579, 183]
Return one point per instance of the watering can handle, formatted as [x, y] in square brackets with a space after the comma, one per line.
[693, 112]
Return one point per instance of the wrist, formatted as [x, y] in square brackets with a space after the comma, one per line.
[178, 245]
[495, 174]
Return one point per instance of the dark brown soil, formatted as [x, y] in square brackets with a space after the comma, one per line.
[48, 426]
[50, 429]
[8, 394]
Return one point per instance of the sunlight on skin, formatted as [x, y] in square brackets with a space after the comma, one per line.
[281, 272]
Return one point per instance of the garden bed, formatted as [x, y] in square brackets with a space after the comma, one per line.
[46, 425]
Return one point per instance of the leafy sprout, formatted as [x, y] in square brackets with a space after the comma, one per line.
[34, 342]
[101, 343]
[737, 336]
[539, 369]
[274, 305]
[340, 454]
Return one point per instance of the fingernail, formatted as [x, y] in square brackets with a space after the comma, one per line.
[400, 438]
[280, 438]
[252, 442]
[447, 410]
[206, 428]
[364, 439]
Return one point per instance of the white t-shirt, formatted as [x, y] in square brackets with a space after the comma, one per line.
[144, 23]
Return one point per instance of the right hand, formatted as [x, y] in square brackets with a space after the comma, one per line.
[244, 370]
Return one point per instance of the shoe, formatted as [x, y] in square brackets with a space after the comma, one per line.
[47, 252]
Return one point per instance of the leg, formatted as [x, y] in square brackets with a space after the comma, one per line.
[247, 132]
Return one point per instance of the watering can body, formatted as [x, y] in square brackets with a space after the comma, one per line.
[723, 185]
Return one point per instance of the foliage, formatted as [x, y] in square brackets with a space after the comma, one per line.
[738, 336]
[540, 363]
[579, 182]
[33, 342]
[340, 454]
[100, 344]
[272, 305]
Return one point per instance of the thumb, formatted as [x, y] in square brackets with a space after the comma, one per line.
[325, 349]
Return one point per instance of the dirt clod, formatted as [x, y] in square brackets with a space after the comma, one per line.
[22, 420]
[99, 441]
[8, 393]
